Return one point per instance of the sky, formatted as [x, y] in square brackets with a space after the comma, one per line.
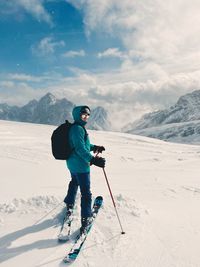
[127, 56]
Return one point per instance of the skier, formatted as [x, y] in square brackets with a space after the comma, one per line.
[79, 165]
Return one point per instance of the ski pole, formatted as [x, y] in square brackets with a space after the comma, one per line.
[48, 213]
[122, 231]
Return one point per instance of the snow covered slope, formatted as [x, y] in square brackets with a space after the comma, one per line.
[156, 186]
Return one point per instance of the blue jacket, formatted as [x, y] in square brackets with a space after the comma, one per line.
[79, 160]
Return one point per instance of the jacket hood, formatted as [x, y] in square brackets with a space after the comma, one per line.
[76, 113]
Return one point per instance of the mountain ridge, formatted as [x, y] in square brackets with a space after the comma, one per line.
[50, 110]
[179, 122]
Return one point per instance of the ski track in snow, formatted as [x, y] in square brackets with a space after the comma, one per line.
[155, 185]
[102, 237]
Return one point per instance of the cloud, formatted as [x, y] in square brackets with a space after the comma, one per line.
[132, 98]
[46, 46]
[161, 51]
[110, 90]
[17, 93]
[112, 52]
[71, 54]
[33, 7]
[166, 34]
[23, 77]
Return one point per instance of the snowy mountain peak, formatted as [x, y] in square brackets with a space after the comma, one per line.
[99, 119]
[48, 99]
[189, 100]
[186, 109]
[99, 112]
[182, 120]
[50, 110]
[32, 102]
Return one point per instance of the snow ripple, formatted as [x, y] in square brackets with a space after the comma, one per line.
[30, 204]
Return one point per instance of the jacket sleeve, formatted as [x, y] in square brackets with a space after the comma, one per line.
[91, 147]
[78, 135]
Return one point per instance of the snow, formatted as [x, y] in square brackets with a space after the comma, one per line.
[180, 123]
[182, 132]
[155, 184]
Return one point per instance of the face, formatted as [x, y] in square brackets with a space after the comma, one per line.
[85, 116]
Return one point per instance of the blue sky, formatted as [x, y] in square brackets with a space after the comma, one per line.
[132, 56]
[21, 38]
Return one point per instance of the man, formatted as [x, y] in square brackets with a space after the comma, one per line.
[79, 165]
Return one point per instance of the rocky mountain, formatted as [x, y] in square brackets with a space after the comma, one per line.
[183, 132]
[99, 120]
[48, 110]
[9, 113]
[53, 111]
[180, 123]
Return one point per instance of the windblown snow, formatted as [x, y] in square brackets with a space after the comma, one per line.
[155, 184]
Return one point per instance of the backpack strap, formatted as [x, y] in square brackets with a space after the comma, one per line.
[86, 133]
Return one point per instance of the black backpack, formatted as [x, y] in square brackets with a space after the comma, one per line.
[60, 146]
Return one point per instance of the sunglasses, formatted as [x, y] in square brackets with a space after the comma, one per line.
[85, 114]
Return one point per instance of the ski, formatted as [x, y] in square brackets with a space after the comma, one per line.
[81, 238]
[65, 230]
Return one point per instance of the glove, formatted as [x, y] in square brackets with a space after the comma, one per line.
[98, 149]
[98, 161]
